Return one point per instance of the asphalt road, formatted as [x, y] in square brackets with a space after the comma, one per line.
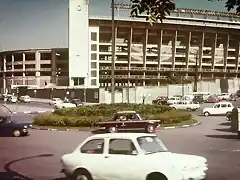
[37, 156]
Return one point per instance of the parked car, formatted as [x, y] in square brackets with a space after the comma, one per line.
[161, 100]
[10, 125]
[129, 120]
[198, 99]
[223, 96]
[77, 102]
[136, 155]
[12, 99]
[212, 99]
[25, 99]
[64, 104]
[55, 101]
[220, 108]
[232, 97]
[173, 100]
[186, 105]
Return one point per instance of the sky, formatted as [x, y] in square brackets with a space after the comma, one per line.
[28, 24]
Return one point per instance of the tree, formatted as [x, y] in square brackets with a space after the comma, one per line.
[231, 4]
[153, 9]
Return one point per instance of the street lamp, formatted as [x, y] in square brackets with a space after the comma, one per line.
[113, 56]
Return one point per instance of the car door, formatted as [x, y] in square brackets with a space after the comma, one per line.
[224, 108]
[92, 158]
[216, 109]
[122, 160]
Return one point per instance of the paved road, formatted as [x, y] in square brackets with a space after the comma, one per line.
[21, 107]
[37, 156]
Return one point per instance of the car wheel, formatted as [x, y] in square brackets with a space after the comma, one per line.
[82, 175]
[188, 109]
[16, 133]
[158, 176]
[112, 129]
[150, 128]
[193, 109]
[206, 113]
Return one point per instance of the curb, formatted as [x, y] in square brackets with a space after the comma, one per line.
[32, 112]
[163, 128]
[183, 126]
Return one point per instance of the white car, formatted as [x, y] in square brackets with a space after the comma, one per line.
[220, 108]
[64, 105]
[55, 101]
[25, 99]
[13, 99]
[186, 105]
[173, 100]
[130, 156]
[224, 96]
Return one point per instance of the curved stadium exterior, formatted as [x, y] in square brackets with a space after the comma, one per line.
[145, 55]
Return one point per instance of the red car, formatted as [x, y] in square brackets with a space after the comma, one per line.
[212, 99]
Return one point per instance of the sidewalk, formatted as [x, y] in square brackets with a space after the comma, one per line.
[47, 101]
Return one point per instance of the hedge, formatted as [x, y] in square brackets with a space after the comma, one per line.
[107, 110]
[89, 116]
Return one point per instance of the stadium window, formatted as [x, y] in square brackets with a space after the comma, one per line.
[93, 82]
[93, 47]
[93, 73]
[93, 36]
[93, 65]
[93, 56]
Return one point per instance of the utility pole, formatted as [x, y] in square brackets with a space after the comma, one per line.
[196, 72]
[113, 56]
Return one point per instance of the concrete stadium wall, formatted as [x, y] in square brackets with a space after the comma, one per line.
[136, 93]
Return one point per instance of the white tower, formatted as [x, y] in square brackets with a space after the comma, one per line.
[78, 38]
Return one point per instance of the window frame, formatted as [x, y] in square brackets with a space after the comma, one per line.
[97, 139]
[135, 150]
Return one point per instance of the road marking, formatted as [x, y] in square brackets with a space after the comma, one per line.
[236, 150]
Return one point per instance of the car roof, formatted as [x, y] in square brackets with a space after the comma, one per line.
[123, 112]
[224, 102]
[122, 135]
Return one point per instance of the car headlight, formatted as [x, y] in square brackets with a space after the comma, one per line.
[25, 127]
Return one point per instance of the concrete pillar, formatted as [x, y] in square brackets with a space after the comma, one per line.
[4, 74]
[201, 44]
[214, 44]
[145, 53]
[225, 52]
[159, 55]
[12, 80]
[38, 67]
[237, 54]
[53, 66]
[189, 36]
[129, 61]
[174, 39]
[24, 68]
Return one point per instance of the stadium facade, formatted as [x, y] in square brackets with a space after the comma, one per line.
[189, 40]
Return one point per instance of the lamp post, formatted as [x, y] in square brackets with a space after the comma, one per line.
[113, 56]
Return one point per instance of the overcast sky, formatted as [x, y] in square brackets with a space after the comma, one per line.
[43, 23]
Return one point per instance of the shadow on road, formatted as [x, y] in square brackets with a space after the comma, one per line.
[224, 130]
[223, 136]
[225, 124]
[10, 174]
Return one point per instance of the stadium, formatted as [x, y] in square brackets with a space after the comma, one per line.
[187, 43]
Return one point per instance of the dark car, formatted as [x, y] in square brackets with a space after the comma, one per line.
[198, 99]
[129, 120]
[161, 100]
[12, 128]
[10, 123]
[77, 102]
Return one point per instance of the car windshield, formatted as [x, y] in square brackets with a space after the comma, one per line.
[151, 144]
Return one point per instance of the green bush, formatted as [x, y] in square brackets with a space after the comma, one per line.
[110, 109]
[168, 117]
